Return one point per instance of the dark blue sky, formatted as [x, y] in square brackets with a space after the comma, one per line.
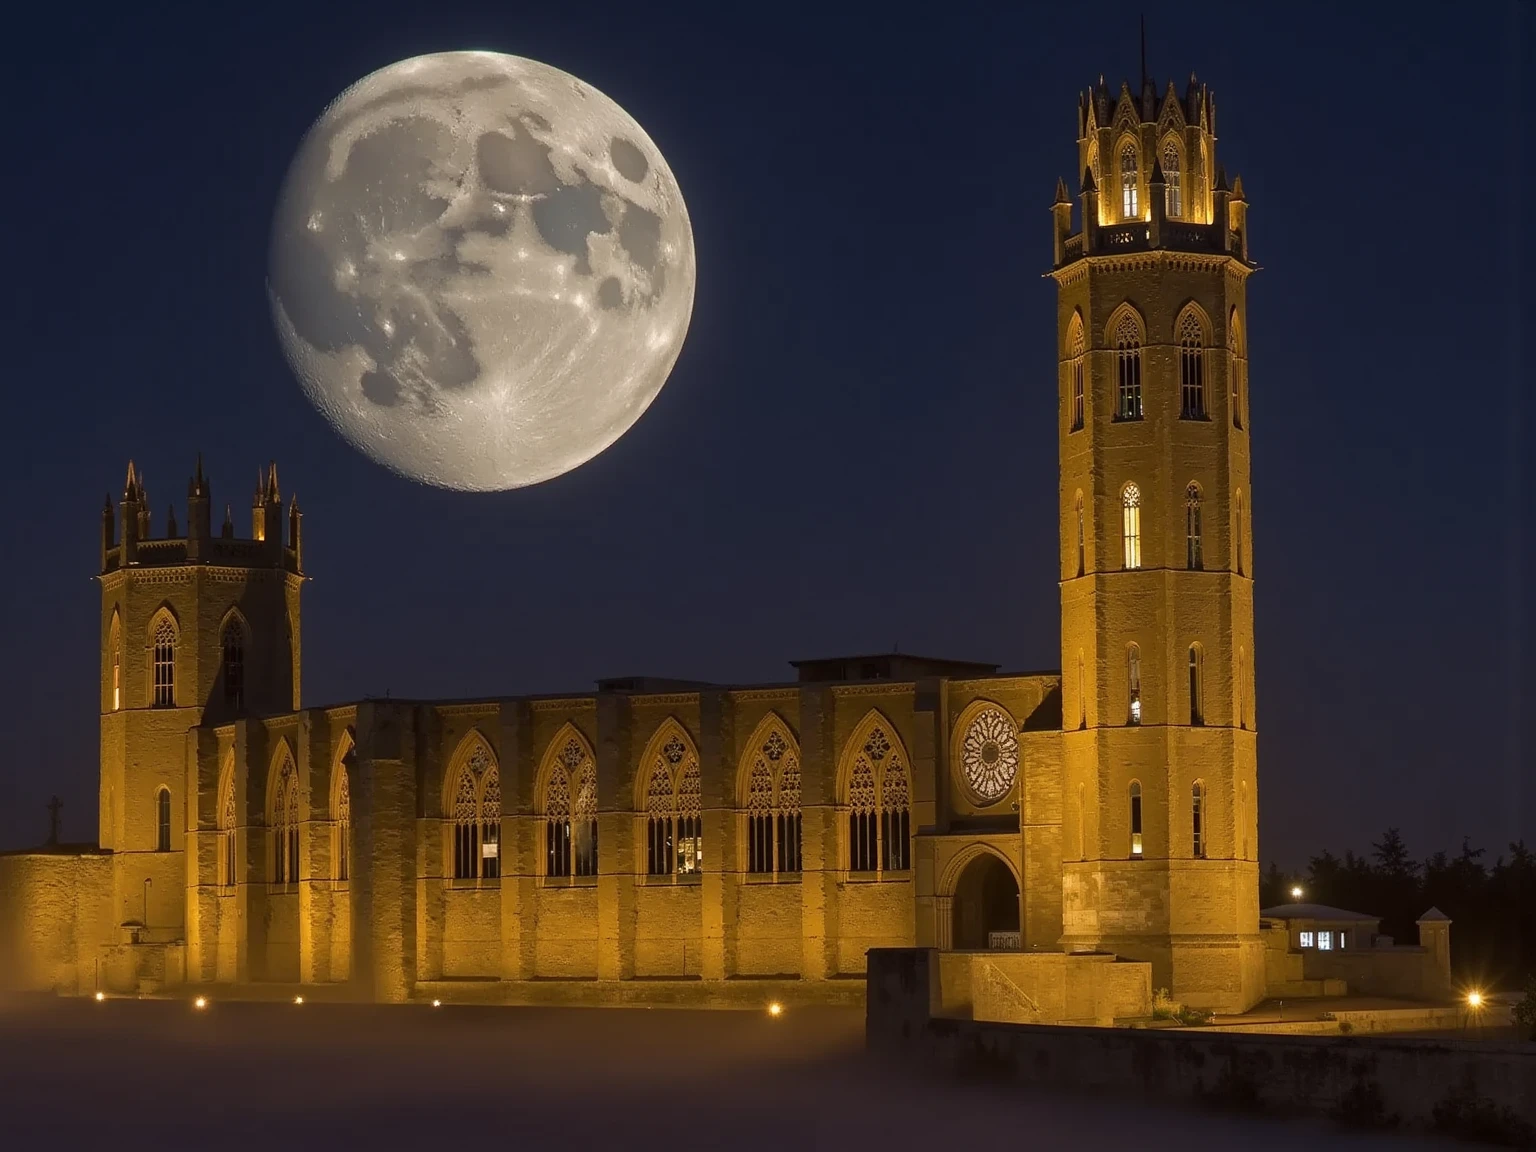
[858, 445]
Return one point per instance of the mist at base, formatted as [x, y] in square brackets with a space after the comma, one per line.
[157, 1074]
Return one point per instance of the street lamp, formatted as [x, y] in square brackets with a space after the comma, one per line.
[1296, 892]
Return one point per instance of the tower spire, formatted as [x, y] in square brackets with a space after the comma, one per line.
[1143, 50]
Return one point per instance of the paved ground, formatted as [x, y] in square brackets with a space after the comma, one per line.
[158, 1074]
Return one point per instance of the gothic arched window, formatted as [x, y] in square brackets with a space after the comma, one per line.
[570, 812]
[1237, 368]
[226, 824]
[1133, 684]
[1237, 539]
[163, 820]
[1076, 352]
[233, 645]
[1194, 543]
[284, 821]
[1196, 685]
[115, 655]
[1082, 693]
[341, 814]
[163, 658]
[879, 817]
[773, 807]
[674, 815]
[1130, 201]
[476, 815]
[1135, 798]
[1128, 368]
[1082, 554]
[1174, 176]
[1197, 815]
[1130, 508]
[1191, 368]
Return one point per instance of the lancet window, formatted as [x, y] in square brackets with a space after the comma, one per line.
[232, 644]
[674, 814]
[1133, 684]
[1130, 201]
[570, 811]
[284, 822]
[1196, 685]
[879, 807]
[227, 874]
[1077, 352]
[1197, 815]
[476, 816]
[163, 664]
[1174, 178]
[1130, 508]
[1128, 368]
[1135, 799]
[1194, 542]
[163, 820]
[341, 813]
[773, 807]
[1191, 368]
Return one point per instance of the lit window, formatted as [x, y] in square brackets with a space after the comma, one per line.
[1135, 818]
[1193, 534]
[1133, 682]
[879, 816]
[674, 827]
[1171, 173]
[476, 817]
[1343, 940]
[1076, 350]
[115, 642]
[1191, 368]
[1304, 939]
[1197, 812]
[1130, 501]
[163, 820]
[1196, 687]
[164, 652]
[1128, 368]
[1130, 203]
[233, 644]
[1325, 941]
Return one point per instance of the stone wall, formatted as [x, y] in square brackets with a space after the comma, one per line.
[1480, 1090]
[1043, 987]
[55, 917]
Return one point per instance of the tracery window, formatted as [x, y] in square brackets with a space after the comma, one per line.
[1128, 368]
[163, 820]
[1193, 533]
[773, 807]
[233, 646]
[1133, 684]
[1135, 797]
[284, 822]
[674, 825]
[227, 874]
[1130, 504]
[1174, 177]
[879, 800]
[989, 754]
[163, 652]
[341, 844]
[1196, 686]
[570, 812]
[1076, 351]
[1197, 814]
[476, 817]
[1191, 368]
[1130, 202]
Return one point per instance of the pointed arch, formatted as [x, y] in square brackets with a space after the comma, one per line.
[1128, 161]
[984, 750]
[1172, 156]
[768, 791]
[1133, 683]
[1076, 366]
[950, 878]
[1130, 525]
[668, 798]
[283, 813]
[1126, 333]
[566, 797]
[234, 643]
[472, 808]
[1194, 530]
[163, 819]
[1134, 801]
[341, 806]
[226, 818]
[1192, 333]
[1082, 538]
[1237, 366]
[114, 671]
[874, 787]
[164, 638]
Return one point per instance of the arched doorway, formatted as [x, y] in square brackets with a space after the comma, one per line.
[986, 900]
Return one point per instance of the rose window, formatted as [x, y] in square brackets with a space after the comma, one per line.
[990, 755]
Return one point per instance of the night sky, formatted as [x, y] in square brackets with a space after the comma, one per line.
[857, 448]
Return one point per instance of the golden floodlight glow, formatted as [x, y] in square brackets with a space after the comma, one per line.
[298, 999]
[1475, 999]
[437, 1003]
[101, 995]
[200, 1002]
[775, 1009]
[1296, 892]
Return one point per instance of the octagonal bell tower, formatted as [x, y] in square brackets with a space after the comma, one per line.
[1160, 843]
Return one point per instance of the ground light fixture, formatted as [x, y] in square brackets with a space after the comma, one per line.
[437, 1003]
[200, 1003]
[100, 996]
[1474, 999]
[298, 999]
[775, 1009]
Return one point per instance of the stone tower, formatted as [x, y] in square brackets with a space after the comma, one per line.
[196, 628]
[1160, 844]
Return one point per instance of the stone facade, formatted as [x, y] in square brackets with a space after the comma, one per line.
[679, 832]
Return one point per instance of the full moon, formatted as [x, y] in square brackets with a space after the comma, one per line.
[481, 269]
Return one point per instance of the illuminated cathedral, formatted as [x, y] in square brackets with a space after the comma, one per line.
[670, 840]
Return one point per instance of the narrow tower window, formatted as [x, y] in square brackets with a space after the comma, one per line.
[1237, 368]
[163, 820]
[1130, 501]
[1237, 539]
[342, 846]
[227, 827]
[1079, 403]
[115, 643]
[1082, 693]
[1191, 368]
[1133, 684]
[284, 821]
[1174, 177]
[1130, 202]
[1082, 834]
[1242, 674]
[1128, 368]
[1196, 687]
[164, 678]
[1135, 818]
[1197, 814]
[234, 665]
[1081, 545]
[1194, 544]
